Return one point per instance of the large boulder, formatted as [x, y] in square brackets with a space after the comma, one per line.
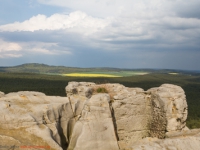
[97, 116]
[136, 113]
[34, 119]
[175, 105]
[94, 129]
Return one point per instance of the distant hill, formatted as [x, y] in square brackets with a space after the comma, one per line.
[46, 69]
[39, 68]
[43, 68]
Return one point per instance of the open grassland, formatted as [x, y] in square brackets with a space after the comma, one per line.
[55, 85]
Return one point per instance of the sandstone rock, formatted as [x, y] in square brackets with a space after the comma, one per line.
[79, 88]
[135, 116]
[33, 118]
[184, 140]
[138, 114]
[1, 94]
[131, 112]
[94, 130]
[175, 105]
[121, 118]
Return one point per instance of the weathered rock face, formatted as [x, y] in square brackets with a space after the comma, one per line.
[135, 116]
[183, 140]
[32, 118]
[1, 94]
[175, 105]
[94, 128]
[119, 118]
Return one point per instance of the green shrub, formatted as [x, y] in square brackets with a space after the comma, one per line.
[101, 90]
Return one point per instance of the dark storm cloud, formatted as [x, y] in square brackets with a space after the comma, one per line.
[189, 9]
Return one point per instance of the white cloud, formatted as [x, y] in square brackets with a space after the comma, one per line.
[43, 51]
[116, 33]
[104, 8]
[75, 21]
[10, 55]
[9, 46]
[134, 24]
[93, 7]
[45, 48]
[9, 49]
[13, 49]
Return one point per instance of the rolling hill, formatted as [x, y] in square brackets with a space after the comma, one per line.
[58, 70]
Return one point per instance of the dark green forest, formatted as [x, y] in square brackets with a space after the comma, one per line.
[55, 85]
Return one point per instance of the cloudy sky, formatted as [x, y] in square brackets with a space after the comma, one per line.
[101, 33]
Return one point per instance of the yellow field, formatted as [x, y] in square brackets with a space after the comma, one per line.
[88, 75]
[173, 73]
[141, 73]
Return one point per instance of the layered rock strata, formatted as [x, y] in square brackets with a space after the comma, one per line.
[114, 118]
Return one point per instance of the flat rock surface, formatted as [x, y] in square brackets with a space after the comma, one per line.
[185, 140]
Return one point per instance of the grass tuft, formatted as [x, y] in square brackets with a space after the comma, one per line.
[101, 90]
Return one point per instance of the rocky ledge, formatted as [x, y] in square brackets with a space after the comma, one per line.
[97, 117]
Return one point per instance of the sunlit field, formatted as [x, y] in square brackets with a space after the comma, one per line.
[89, 75]
[173, 73]
[105, 74]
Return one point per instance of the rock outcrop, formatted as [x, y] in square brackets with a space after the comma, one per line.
[1, 94]
[34, 119]
[90, 118]
[174, 103]
[181, 140]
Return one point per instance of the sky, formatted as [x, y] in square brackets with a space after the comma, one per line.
[163, 34]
